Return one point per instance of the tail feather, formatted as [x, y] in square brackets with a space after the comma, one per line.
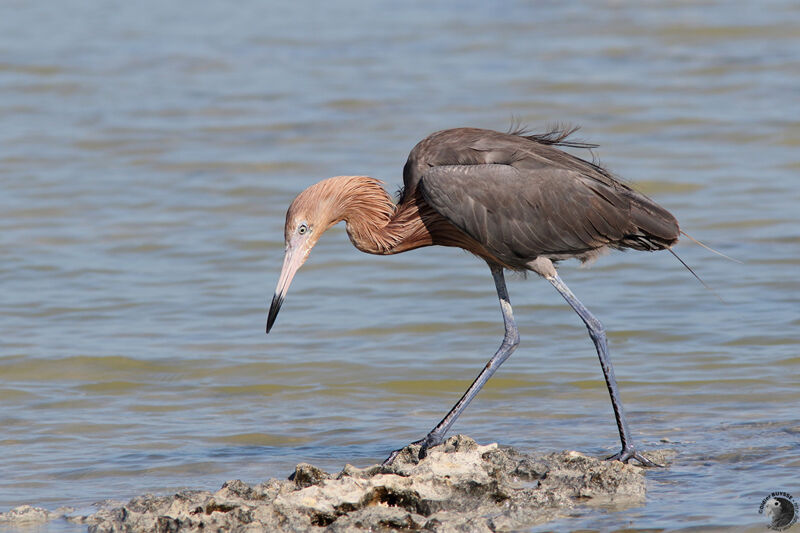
[656, 228]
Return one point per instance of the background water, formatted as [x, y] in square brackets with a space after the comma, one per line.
[148, 151]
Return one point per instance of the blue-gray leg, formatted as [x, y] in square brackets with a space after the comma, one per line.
[598, 334]
[509, 344]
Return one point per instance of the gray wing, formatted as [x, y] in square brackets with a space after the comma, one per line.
[520, 214]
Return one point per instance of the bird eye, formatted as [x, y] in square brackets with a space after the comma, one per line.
[302, 229]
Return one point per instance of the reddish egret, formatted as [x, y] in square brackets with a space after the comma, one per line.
[514, 200]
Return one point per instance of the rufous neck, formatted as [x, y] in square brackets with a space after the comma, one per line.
[367, 209]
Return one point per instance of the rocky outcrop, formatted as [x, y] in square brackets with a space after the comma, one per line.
[459, 486]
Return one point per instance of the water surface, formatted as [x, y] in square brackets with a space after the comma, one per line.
[148, 152]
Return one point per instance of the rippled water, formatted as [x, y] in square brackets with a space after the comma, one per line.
[148, 152]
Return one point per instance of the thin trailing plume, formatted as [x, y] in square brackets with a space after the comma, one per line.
[710, 249]
[715, 293]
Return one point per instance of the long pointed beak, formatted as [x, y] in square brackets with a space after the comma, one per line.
[292, 261]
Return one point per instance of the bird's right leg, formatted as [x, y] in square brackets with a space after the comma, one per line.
[598, 334]
[510, 343]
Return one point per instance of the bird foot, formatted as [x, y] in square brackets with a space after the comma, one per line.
[428, 442]
[626, 454]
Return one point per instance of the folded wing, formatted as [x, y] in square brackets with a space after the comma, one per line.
[519, 214]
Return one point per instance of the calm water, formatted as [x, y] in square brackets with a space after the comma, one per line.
[148, 151]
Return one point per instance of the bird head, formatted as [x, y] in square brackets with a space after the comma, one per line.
[359, 200]
[309, 216]
[779, 509]
[772, 508]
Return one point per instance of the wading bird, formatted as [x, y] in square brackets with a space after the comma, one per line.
[514, 200]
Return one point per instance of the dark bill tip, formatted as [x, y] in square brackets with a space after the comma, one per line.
[277, 302]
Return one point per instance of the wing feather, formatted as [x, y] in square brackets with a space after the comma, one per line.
[520, 214]
[522, 197]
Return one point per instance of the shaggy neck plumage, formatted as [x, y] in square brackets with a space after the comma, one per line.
[374, 223]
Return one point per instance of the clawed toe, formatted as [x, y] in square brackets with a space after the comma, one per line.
[389, 460]
[626, 455]
[392, 456]
[424, 444]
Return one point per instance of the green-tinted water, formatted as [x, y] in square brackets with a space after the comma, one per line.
[148, 152]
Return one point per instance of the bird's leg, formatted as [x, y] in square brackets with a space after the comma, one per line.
[510, 343]
[598, 334]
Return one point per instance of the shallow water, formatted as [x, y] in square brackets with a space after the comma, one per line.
[148, 152]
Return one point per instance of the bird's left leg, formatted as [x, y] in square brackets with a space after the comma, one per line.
[598, 334]
[507, 347]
